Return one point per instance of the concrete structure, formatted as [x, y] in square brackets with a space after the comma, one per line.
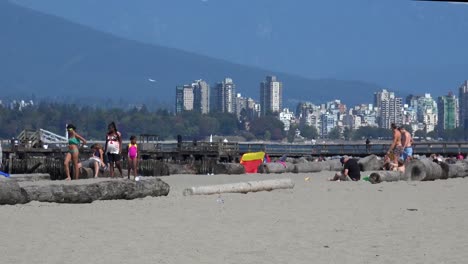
[390, 108]
[184, 98]
[447, 107]
[271, 95]
[225, 97]
[201, 92]
[427, 112]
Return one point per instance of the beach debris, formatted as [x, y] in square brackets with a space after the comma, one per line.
[306, 178]
[412, 209]
[242, 187]
[11, 193]
[276, 167]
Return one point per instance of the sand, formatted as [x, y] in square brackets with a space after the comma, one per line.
[316, 222]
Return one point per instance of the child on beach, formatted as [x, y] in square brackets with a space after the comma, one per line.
[133, 156]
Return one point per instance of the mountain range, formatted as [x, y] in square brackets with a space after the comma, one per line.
[53, 58]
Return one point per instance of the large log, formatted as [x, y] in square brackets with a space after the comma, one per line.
[181, 169]
[242, 187]
[11, 192]
[387, 176]
[229, 168]
[87, 191]
[30, 177]
[425, 170]
[332, 165]
[308, 167]
[458, 170]
[276, 167]
[370, 163]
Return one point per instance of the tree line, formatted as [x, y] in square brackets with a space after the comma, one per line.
[92, 124]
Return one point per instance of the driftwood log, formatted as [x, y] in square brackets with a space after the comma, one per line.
[243, 187]
[387, 176]
[87, 191]
[458, 170]
[30, 177]
[426, 170]
[11, 192]
[370, 163]
[229, 168]
[332, 165]
[181, 169]
[276, 167]
[308, 167]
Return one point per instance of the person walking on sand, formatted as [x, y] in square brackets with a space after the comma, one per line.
[406, 142]
[114, 149]
[133, 156]
[396, 149]
[73, 151]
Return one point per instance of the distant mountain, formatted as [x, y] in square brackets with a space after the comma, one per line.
[49, 56]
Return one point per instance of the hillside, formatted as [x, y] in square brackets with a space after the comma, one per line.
[49, 56]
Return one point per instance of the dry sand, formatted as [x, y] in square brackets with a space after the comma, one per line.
[316, 222]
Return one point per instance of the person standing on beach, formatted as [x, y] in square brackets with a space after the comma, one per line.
[114, 148]
[368, 145]
[73, 151]
[396, 149]
[133, 156]
[406, 142]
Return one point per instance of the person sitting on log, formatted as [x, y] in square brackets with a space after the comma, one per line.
[95, 161]
[73, 151]
[351, 170]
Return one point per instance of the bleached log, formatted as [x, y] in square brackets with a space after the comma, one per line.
[332, 165]
[11, 192]
[276, 167]
[387, 176]
[87, 191]
[308, 167]
[426, 170]
[30, 177]
[242, 187]
[370, 163]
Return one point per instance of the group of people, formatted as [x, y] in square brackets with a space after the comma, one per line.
[109, 156]
[400, 151]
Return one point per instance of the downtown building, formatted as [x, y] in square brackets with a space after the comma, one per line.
[193, 97]
[271, 95]
[447, 107]
[463, 105]
[427, 112]
[224, 97]
[390, 108]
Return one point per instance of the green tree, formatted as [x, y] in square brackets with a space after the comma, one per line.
[347, 133]
[309, 132]
[335, 133]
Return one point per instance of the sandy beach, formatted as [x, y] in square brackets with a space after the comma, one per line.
[316, 222]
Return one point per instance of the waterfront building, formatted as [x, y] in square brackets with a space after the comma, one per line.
[447, 107]
[390, 108]
[463, 105]
[271, 95]
[184, 98]
[201, 93]
[287, 117]
[427, 112]
[225, 97]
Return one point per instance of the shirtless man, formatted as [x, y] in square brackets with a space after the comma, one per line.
[396, 148]
[406, 142]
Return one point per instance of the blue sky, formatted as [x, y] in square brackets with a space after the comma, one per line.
[405, 45]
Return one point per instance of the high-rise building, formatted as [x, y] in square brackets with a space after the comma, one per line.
[447, 107]
[184, 98]
[463, 104]
[427, 112]
[201, 93]
[271, 95]
[390, 108]
[225, 97]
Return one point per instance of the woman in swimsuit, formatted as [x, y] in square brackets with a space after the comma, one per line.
[73, 151]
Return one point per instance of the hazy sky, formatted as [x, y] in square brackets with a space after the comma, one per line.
[399, 43]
